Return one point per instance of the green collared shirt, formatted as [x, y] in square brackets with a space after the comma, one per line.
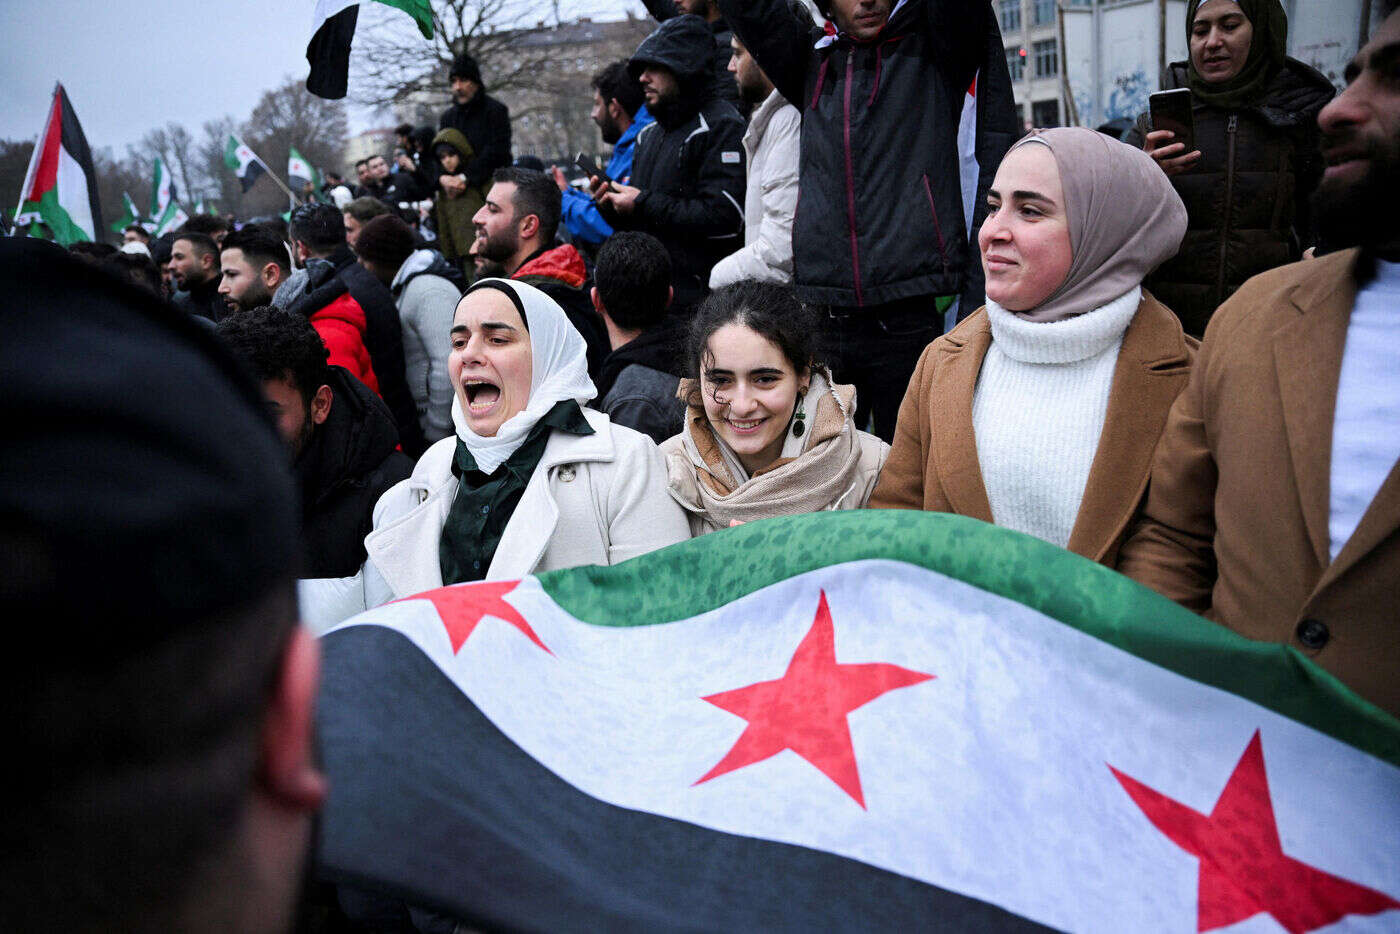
[485, 503]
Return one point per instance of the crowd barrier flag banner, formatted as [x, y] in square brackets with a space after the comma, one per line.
[129, 214]
[60, 185]
[243, 162]
[333, 29]
[850, 720]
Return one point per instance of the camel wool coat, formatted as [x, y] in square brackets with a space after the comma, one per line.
[933, 464]
[1235, 523]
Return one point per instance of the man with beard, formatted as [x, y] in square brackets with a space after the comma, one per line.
[254, 264]
[159, 690]
[708, 10]
[516, 228]
[342, 439]
[771, 145]
[1274, 501]
[194, 269]
[621, 115]
[688, 173]
[483, 120]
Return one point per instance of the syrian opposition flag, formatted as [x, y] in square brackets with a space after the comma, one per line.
[333, 29]
[129, 214]
[60, 187]
[162, 190]
[243, 162]
[173, 218]
[849, 721]
[301, 172]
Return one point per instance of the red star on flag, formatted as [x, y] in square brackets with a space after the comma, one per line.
[805, 710]
[462, 606]
[1243, 869]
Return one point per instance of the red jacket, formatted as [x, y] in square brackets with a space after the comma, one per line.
[341, 325]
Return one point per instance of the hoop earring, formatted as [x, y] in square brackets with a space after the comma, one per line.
[799, 417]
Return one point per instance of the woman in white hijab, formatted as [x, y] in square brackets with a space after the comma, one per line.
[1040, 411]
[531, 481]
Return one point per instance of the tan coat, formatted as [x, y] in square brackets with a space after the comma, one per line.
[933, 464]
[1235, 524]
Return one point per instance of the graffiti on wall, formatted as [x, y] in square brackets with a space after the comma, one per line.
[1129, 96]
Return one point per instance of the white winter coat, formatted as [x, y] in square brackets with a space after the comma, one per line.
[594, 499]
[770, 201]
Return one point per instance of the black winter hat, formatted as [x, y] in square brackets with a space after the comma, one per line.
[386, 241]
[684, 44]
[464, 66]
[143, 489]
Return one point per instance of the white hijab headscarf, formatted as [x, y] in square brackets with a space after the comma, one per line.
[559, 371]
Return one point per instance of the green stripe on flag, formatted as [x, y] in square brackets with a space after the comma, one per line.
[700, 575]
[420, 10]
[65, 232]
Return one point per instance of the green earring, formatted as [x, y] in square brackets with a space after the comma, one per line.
[799, 417]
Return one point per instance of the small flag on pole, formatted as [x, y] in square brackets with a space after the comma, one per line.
[129, 215]
[300, 173]
[243, 161]
[173, 218]
[162, 190]
[333, 29]
[60, 187]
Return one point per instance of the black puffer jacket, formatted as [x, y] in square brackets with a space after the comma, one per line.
[689, 164]
[1247, 196]
[880, 204]
[346, 466]
[330, 278]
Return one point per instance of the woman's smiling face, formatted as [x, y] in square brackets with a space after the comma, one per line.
[491, 362]
[750, 390]
[1025, 243]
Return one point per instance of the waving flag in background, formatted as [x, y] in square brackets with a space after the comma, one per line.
[849, 721]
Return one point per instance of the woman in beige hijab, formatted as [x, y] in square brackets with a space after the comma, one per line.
[1040, 411]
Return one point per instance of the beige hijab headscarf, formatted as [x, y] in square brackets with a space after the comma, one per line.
[1125, 219]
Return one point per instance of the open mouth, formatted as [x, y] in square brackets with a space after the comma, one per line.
[482, 395]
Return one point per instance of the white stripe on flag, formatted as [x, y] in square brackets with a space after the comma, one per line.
[73, 192]
[619, 713]
[325, 9]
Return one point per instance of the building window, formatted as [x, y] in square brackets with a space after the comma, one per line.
[1045, 113]
[1042, 12]
[1047, 58]
[1016, 63]
[1010, 15]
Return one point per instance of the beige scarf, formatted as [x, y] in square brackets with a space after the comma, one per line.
[817, 472]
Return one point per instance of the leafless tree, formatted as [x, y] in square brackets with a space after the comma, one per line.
[175, 146]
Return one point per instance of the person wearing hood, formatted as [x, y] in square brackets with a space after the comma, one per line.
[687, 186]
[482, 120]
[767, 432]
[341, 438]
[1257, 157]
[531, 481]
[426, 288]
[454, 206]
[1040, 412]
[708, 10]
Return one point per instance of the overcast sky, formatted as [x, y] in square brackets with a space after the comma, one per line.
[132, 66]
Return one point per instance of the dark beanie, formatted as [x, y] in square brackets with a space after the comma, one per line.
[464, 66]
[385, 241]
[143, 487]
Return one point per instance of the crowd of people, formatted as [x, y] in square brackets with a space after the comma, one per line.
[790, 290]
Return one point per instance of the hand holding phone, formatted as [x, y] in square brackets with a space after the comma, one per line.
[1172, 124]
[590, 168]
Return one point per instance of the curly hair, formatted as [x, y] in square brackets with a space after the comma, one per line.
[278, 344]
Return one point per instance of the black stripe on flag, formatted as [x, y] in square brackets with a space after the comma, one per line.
[431, 804]
[77, 145]
[253, 171]
[329, 55]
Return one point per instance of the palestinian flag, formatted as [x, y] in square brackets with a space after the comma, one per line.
[129, 214]
[243, 162]
[60, 187]
[849, 721]
[333, 29]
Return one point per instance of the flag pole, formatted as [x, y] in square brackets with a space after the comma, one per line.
[34, 158]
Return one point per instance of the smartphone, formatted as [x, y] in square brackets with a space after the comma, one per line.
[590, 168]
[1171, 110]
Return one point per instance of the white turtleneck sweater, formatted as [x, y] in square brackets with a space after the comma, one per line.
[1038, 411]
